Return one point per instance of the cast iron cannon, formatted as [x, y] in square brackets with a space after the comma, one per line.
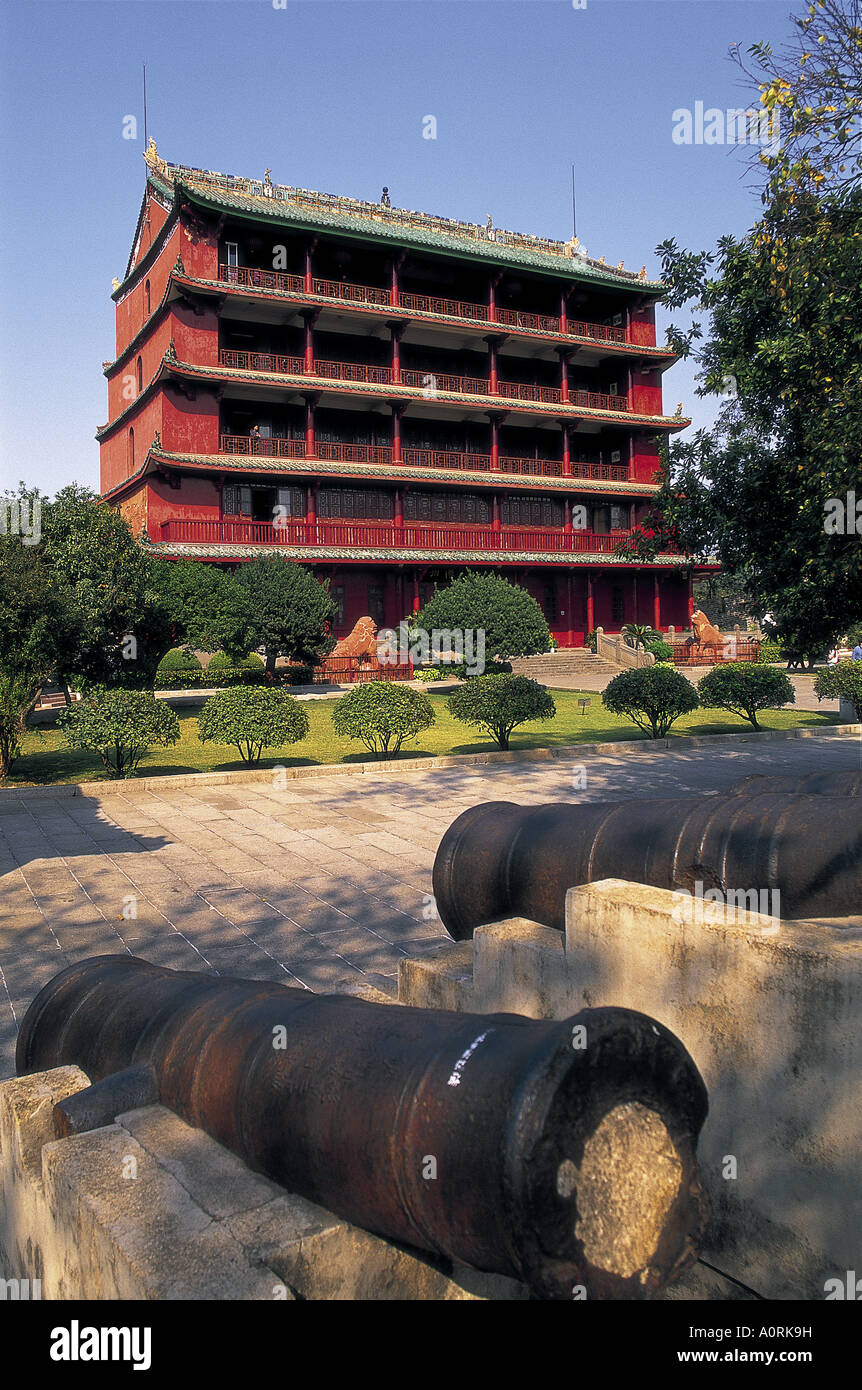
[558, 1153]
[500, 860]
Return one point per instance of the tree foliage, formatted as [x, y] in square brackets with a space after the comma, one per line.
[653, 697]
[383, 715]
[842, 681]
[744, 688]
[510, 617]
[120, 725]
[252, 719]
[291, 610]
[499, 704]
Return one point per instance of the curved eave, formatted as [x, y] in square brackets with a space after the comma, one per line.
[390, 555]
[230, 463]
[361, 389]
[404, 236]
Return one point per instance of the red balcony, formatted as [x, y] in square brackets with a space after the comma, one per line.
[429, 382]
[382, 535]
[550, 324]
[241, 445]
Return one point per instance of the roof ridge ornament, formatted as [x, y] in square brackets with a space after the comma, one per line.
[151, 155]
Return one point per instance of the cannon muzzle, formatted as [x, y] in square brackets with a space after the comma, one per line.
[502, 860]
[558, 1153]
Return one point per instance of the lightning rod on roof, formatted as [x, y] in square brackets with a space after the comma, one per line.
[144, 66]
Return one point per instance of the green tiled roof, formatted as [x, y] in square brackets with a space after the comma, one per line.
[246, 463]
[218, 550]
[305, 208]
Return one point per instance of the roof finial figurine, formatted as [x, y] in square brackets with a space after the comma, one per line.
[115, 284]
[267, 183]
[620, 266]
[642, 275]
[489, 229]
[384, 199]
[601, 260]
[679, 409]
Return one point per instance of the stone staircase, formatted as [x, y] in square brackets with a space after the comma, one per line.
[569, 664]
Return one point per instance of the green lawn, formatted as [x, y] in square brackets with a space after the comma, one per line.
[45, 759]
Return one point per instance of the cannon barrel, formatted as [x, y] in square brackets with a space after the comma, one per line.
[809, 783]
[501, 860]
[558, 1153]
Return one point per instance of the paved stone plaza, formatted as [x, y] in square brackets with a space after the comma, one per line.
[321, 885]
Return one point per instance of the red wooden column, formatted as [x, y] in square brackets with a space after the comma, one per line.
[397, 409]
[311, 506]
[394, 281]
[493, 383]
[567, 449]
[492, 297]
[495, 513]
[567, 515]
[308, 280]
[310, 317]
[398, 518]
[310, 446]
[565, 354]
[496, 422]
[591, 617]
[416, 604]
[564, 311]
[570, 610]
[656, 603]
[396, 329]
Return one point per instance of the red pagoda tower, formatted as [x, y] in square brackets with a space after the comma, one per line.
[388, 397]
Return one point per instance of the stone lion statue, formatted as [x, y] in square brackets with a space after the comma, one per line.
[361, 642]
[705, 635]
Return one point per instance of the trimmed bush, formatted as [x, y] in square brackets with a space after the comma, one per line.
[226, 670]
[843, 681]
[383, 715]
[179, 669]
[744, 688]
[252, 720]
[296, 675]
[511, 619]
[653, 697]
[429, 674]
[500, 703]
[771, 651]
[661, 650]
[120, 725]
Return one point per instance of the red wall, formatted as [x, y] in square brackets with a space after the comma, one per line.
[643, 326]
[196, 498]
[131, 308]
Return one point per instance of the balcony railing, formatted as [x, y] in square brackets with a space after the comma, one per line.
[242, 445]
[429, 382]
[250, 278]
[377, 535]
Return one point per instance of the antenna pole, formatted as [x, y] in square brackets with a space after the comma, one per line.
[146, 142]
[574, 223]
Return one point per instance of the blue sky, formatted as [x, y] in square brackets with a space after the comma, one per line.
[332, 96]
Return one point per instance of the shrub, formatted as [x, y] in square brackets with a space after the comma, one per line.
[120, 725]
[653, 697]
[661, 650]
[639, 634]
[382, 714]
[591, 640]
[510, 618]
[499, 703]
[770, 651]
[843, 681]
[225, 670]
[460, 671]
[252, 720]
[296, 675]
[429, 674]
[179, 669]
[744, 688]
